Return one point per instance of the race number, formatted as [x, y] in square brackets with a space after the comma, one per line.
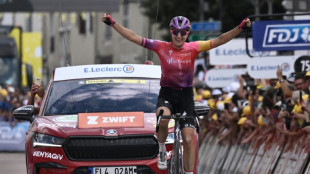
[302, 64]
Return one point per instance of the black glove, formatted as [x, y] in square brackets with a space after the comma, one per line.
[109, 21]
[243, 26]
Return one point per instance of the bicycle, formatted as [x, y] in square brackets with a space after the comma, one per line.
[175, 164]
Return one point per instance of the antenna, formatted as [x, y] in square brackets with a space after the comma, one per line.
[151, 58]
[156, 17]
[64, 31]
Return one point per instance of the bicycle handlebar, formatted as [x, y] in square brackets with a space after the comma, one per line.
[173, 116]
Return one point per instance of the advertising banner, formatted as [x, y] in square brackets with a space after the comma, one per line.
[281, 35]
[32, 54]
[219, 78]
[234, 53]
[261, 68]
[12, 138]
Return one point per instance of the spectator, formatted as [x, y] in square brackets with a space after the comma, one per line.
[298, 112]
[199, 75]
[4, 105]
[299, 82]
[35, 90]
[307, 78]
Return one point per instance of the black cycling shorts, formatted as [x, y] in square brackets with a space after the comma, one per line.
[179, 101]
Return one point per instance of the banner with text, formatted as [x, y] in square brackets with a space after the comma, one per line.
[281, 35]
[219, 78]
[12, 138]
[267, 67]
[234, 53]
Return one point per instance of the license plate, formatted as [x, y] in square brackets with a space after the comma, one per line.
[114, 170]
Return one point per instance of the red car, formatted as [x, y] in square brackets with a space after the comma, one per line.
[96, 119]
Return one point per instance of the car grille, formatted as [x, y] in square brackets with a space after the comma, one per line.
[116, 148]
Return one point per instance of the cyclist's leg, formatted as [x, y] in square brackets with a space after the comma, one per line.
[189, 148]
[163, 125]
[163, 104]
[188, 130]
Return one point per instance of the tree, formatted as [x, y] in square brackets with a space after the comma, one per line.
[229, 12]
[169, 9]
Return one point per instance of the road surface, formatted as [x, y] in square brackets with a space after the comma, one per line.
[12, 163]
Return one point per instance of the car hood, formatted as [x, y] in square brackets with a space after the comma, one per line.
[67, 125]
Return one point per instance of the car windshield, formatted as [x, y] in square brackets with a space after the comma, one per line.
[102, 95]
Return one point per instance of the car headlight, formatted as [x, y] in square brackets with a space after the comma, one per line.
[44, 140]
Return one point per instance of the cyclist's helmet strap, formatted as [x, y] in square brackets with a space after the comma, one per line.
[180, 23]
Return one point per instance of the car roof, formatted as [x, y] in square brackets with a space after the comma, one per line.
[107, 70]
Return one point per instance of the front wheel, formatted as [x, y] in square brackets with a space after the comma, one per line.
[178, 158]
[169, 167]
[175, 164]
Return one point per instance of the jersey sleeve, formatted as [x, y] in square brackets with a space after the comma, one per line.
[150, 44]
[205, 45]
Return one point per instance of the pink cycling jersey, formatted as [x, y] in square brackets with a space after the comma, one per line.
[177, 65]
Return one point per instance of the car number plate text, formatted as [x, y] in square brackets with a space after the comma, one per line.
[114, 170]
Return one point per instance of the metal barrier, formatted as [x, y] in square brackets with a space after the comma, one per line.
[282, 156]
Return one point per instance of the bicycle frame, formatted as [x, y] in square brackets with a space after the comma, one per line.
[175, 164]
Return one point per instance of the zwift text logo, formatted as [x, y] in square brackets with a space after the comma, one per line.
[284, 35]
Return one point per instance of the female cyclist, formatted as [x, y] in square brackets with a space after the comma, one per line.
[177, 60]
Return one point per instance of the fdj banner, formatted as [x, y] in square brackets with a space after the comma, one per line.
[281, 35]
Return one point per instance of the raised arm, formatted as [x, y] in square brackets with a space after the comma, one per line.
[285, 89]
[125, 32]
[226, 37]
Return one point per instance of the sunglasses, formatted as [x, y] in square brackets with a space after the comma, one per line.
[182, 32]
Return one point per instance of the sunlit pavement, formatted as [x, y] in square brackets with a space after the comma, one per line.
[12, 163]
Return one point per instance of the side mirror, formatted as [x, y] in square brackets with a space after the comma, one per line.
[24, 113]
[201, 109]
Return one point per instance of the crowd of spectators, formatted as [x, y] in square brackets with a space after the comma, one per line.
[12, 98]
[245, 111]
[257, 110]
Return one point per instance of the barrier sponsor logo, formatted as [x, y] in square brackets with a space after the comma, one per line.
[267, 67]
[285, 67]
[240, 52]
[219, 78]
[281, 35]
[285, 35]
[234, 53]
[13, 138]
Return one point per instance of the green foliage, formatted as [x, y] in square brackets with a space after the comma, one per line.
[169, 9]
